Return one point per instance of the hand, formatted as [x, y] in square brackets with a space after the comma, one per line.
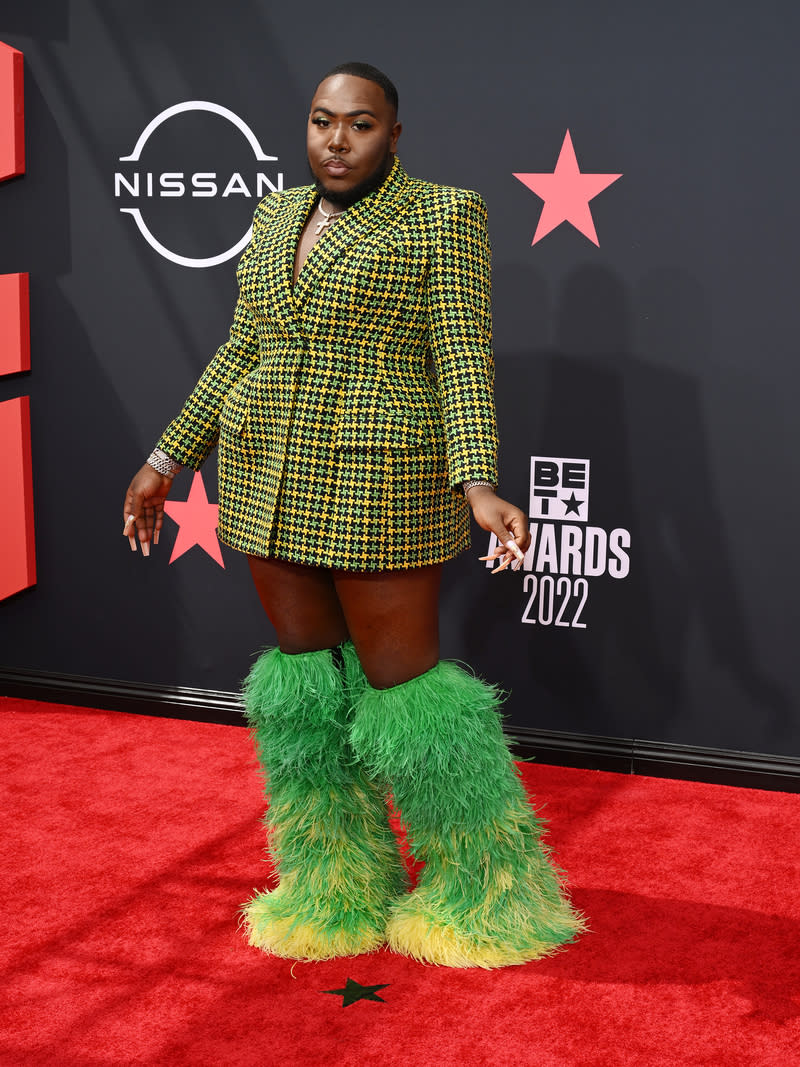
[144, 507]
[505, 521]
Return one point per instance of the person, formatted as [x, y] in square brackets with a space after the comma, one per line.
[354, 412]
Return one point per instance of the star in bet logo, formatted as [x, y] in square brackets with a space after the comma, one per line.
[566, 194]
[197, 522]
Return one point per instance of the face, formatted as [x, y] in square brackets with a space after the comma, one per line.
[351, 139]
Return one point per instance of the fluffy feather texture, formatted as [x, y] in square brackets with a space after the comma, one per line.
[488, 895]
[295, 705]
[328, 831]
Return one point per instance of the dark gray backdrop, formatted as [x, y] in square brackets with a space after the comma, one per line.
[666, 356]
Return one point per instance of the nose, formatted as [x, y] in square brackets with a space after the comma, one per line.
[337, 141]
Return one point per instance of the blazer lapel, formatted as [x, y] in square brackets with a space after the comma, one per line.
[281, 246]
[361, 219]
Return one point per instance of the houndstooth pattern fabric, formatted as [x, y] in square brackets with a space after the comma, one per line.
[349, 407]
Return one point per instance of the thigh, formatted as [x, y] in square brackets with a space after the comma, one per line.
[301, 604]
[393, 619]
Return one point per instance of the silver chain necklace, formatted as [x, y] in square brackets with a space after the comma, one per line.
[328, 219]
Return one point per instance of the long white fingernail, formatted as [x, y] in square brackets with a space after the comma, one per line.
[132, 542]
[514, 547]
[129, 520]
[145, 548]
[155, 537]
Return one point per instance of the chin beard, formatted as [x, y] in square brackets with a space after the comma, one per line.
[346, 198]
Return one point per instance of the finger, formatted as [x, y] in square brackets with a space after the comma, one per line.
[498, 550]
[133, 511]
[148, 522]
[145, 530]
[144, 526]
[514, 547]
[508, 540]
[521, 530]
[503, 565]
[159, 522]
[133, 504]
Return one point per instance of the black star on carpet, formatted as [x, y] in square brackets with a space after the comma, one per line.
[572, 504]
[353, 991]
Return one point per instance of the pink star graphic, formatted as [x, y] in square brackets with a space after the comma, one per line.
[566, 194]
[197, 522]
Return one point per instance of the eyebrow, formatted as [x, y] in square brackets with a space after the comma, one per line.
[348, 114]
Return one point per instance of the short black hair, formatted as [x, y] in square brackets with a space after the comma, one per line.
[370, 74]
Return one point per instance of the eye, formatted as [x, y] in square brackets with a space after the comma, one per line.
[318, 120]
[360, 124]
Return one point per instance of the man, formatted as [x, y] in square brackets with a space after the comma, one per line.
[354, 411]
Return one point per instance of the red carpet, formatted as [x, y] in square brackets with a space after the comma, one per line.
[130, 842]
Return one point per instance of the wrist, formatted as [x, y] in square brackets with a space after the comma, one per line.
[477, 487]
[163, 464]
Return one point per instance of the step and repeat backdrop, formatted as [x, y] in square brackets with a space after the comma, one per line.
[639, 166]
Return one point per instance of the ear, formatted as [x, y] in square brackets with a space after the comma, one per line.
[397, 129]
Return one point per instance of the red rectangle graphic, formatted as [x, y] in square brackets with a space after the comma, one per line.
[12, 112]
[15, 330]
[17, 547]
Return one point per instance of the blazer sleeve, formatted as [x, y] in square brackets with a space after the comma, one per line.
[460, 325]
[193, 433]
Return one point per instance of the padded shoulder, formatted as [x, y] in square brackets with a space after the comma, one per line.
[447, 198]
[281, 198]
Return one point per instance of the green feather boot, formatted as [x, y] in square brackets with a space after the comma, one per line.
[337, 859]
[488, 895]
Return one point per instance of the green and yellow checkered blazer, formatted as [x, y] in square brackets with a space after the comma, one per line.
[351, 405]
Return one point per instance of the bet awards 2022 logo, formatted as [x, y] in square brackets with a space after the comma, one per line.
[192, 181]
[566, 553]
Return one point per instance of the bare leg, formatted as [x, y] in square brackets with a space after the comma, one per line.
[393, 619]
[392, 616]
[301, 604]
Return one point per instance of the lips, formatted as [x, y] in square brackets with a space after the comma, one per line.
[335, 167]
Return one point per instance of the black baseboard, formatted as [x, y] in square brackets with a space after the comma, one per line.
[660, 759]
[168, 701]
[623, 755]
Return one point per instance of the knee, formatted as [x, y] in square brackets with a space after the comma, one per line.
[295, 644]
[388, 670]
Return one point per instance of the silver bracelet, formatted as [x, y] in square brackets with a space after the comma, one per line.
[163, 463]
[466, 486]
